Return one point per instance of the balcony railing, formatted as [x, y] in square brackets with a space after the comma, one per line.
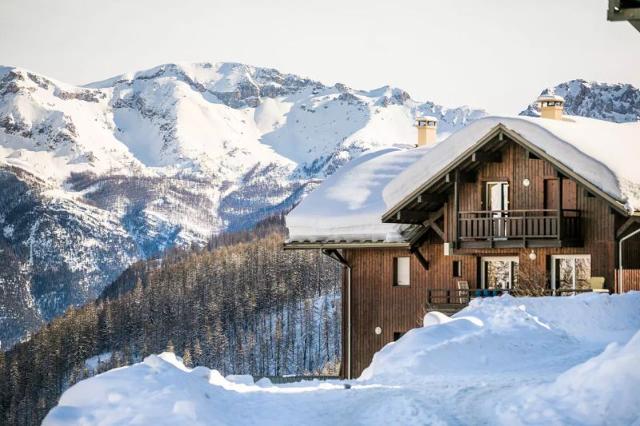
[450, 301]
[519, 224]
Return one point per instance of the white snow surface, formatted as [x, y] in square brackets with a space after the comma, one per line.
[95, 362]
[348, 205]
[504, 360]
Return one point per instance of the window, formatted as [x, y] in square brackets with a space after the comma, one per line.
[570, 271]
[457, 268]
[499, 272]
[397, 335]
[401, 271]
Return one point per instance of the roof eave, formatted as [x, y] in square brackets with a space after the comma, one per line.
[310, 245]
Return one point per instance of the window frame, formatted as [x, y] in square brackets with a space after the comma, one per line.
[396, 271]
[505, 196]
[456, 269]
[483, 268]
[554, 257]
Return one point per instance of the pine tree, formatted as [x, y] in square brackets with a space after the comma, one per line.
[186, 358]
[197, 352]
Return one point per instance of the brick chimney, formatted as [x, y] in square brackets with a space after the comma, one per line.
[426, 130]
[551, 106]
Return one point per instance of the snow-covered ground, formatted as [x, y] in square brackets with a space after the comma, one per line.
[553, 360]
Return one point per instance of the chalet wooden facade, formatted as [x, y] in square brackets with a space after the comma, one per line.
[501, 216]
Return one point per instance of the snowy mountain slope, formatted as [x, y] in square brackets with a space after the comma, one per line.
[619, 102]
[536, 360]
[96, 177]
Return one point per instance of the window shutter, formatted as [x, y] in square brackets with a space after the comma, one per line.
[395, 271]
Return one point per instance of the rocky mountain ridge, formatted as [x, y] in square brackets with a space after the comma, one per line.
[619, 102]
[96, 177]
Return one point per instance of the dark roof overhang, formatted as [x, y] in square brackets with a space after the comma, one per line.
[412, 236]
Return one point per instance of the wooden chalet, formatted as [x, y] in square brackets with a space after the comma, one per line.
[521, 205]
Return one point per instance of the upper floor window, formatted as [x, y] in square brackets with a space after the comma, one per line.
[401, 271]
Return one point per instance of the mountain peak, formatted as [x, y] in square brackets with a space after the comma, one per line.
[234, 83]
[617, 102]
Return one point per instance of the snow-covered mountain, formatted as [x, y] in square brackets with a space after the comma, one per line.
[619, 102]
[93, 178]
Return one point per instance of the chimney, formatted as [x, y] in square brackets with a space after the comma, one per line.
[426, 130]
[551, 106]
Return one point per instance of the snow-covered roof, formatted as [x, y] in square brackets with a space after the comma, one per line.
[349, 205]
[427, 118]
[543, 98]
[602, 153]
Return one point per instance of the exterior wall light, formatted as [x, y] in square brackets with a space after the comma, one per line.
[532, 256]
[526, 182]
[378, 330]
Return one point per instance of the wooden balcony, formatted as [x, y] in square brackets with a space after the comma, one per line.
[519, 228]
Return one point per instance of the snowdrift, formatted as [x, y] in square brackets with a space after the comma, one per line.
[602, 390]
[505, 360]
[509, 335]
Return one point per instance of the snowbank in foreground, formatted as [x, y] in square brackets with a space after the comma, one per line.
[507, 335]
[602, 390]
[553, 360]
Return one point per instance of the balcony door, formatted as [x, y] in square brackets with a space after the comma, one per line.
[497, 202]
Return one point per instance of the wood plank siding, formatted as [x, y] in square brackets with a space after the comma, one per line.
[376, 302]
[631, 279]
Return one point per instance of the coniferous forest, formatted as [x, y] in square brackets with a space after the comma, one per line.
[241, 305]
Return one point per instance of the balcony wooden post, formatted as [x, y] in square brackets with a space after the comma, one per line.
[456, 207]
[560, 207]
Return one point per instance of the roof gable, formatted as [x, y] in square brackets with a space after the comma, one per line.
[615, 178]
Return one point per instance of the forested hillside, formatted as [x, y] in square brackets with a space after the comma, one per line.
[247, 307]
